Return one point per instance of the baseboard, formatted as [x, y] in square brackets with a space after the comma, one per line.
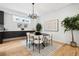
[59, 42]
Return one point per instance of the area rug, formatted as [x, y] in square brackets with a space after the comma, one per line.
[46, 51]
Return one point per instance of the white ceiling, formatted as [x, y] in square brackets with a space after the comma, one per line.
[40, 8]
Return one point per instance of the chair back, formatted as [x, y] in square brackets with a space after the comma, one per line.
[28, 35]
[41, 37]
[37, 37]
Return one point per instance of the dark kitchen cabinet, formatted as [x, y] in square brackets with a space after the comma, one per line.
[1, 26]
[1, 37]
[1, 17]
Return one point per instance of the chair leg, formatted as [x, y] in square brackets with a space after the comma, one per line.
[33, 46]
[26, 41]
[51, 41]
[45, 41]
[39, 48]
[29, 43]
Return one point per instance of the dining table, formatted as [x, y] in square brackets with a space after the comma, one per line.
[44, 44]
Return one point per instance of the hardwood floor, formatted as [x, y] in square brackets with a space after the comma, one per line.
[67, 50]
[15, 48]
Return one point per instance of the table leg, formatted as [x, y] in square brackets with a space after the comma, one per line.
[39, 44]
[33, 46]
[51, 40]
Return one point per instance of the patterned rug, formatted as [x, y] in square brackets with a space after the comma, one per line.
[46, 51]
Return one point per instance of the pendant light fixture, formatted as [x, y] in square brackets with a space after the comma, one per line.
[33, 15]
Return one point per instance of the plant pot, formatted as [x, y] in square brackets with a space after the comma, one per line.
[37, 33]
[73, 44]
[22, 28]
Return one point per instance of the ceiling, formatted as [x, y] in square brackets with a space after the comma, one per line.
[40, 8]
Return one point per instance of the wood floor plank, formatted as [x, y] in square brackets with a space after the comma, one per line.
[67, 50]
[15, 48]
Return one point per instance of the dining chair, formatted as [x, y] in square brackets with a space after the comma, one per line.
[48, 39]
[38, 40]
[29, 39]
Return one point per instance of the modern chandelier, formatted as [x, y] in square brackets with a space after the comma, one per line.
[33, 15]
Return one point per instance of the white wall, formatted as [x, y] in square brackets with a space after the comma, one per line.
[60, 14]
[9, 24]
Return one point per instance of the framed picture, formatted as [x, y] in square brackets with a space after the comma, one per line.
[19, 25]
[52, 25]
[25, 25]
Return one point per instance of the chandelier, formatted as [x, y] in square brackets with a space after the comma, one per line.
[33, 15]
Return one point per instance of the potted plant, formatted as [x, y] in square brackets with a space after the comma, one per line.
[38, 29]
[71, 24]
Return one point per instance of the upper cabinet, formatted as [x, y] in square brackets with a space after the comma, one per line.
[1, 18]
